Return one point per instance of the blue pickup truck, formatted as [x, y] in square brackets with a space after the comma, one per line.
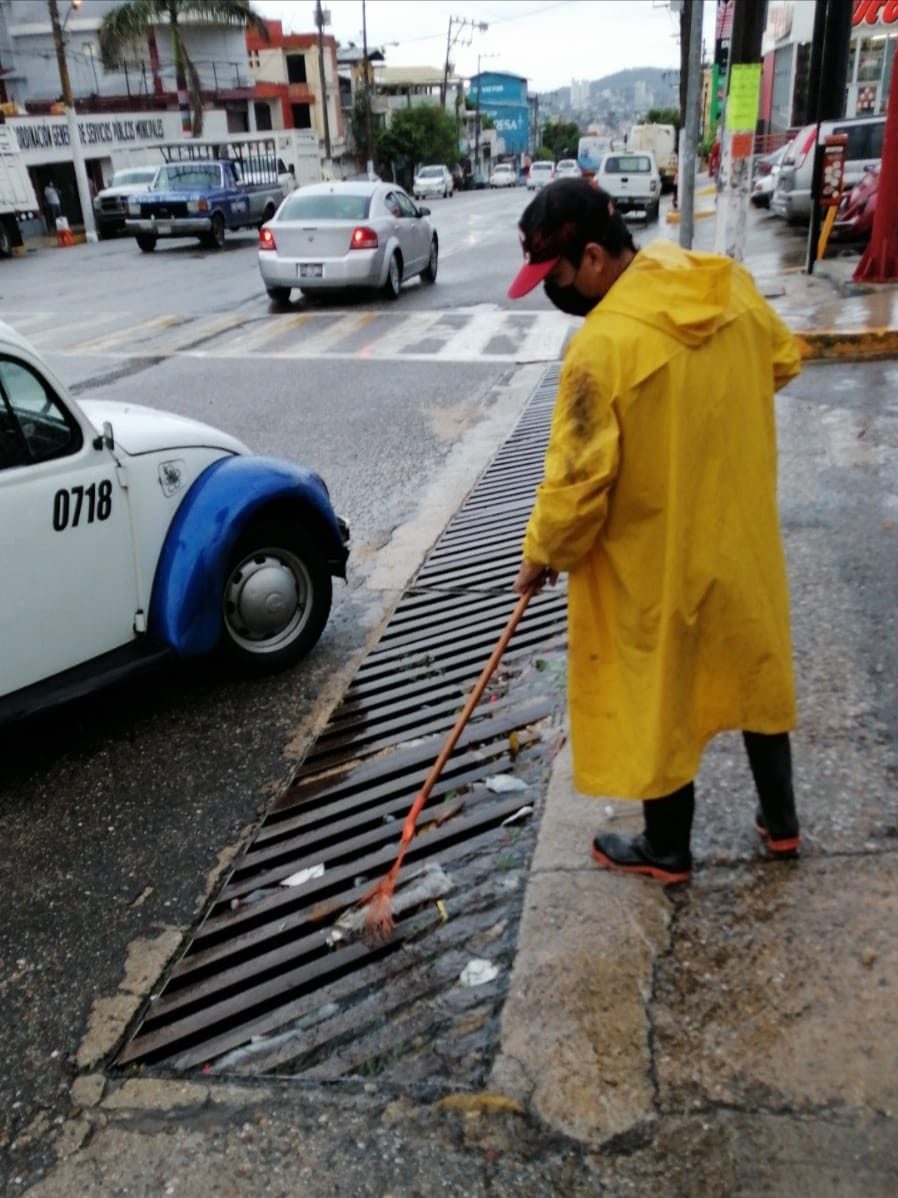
[204, 199]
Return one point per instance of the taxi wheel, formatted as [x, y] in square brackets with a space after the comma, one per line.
[146, 242]
[279, 295]
[276, 599]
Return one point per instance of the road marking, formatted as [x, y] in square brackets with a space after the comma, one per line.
[486, 333]
[132, 332]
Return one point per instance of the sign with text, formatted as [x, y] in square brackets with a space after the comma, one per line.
[743, 96]
[44, 139]
[832, 173]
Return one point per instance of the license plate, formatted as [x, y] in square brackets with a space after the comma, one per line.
[311, 270]
[163, 228]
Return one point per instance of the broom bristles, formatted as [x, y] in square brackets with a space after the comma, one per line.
[379, 922]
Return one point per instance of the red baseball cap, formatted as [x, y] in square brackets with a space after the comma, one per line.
[564, 217]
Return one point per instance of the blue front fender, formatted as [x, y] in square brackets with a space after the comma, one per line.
[185, 608]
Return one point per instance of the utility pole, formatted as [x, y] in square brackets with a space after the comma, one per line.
[322, 18]
[691, 114]
[369, 111]
[458, 24]
[827, 72]
[84, 196]
[740, 122]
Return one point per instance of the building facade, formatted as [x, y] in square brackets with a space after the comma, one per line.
[786, 51]
[287, 73]
[29, 75]
[503, 98]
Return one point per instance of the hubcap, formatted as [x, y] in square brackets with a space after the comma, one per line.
[267, 600]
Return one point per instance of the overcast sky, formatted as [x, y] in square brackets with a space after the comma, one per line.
[548, 41]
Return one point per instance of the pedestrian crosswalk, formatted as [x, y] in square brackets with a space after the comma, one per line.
[481, 333]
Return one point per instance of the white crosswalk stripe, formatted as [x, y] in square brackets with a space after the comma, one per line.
[484, 333]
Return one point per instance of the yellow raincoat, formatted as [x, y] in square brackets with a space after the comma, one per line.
[659, 500]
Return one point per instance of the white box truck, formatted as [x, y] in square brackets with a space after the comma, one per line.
[662, 141]
[18, 201]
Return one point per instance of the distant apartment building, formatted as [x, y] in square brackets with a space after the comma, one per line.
[579, 93]
[289, 93]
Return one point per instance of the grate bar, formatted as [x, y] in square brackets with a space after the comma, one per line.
[258, 985]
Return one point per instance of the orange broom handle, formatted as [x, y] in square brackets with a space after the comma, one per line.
[476, 694]
[380, 920]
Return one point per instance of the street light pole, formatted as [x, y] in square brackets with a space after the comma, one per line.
[84, 196]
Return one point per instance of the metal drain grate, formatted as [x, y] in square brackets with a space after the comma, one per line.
[259, 987]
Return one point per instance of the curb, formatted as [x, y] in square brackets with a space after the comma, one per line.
[674, 217]
[846, 345]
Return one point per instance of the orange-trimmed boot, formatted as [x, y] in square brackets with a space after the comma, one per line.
[779, 840]
[636, 856]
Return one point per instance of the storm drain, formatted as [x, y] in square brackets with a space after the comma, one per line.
[273, 980]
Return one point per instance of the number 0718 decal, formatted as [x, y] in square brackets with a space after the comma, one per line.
[82, 505]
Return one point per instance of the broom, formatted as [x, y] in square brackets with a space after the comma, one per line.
[379, 919]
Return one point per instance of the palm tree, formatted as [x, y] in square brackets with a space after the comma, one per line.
[129, 23]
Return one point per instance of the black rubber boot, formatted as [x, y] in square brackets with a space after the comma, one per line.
[662, 850]
[770, 758]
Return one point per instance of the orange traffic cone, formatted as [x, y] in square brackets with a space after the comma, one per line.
[63, 233]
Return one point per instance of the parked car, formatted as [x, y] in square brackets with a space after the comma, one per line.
[766, 171]
[138, 534]
[633, 182]
[109, 204]
[504, 174]
[433, 181]
[328, 237]
[792, 195]
[567, 168]
[539, 175]
[854, 220]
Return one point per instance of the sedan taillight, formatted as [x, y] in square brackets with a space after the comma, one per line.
[266, 240]
[363, 238]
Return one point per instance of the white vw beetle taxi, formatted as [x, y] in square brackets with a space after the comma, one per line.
[130, 534]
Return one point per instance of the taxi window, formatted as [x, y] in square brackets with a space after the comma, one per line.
[33, 424]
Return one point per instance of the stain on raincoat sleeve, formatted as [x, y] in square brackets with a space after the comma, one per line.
[582, 461]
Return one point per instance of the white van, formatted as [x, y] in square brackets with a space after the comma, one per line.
[792, 195]
[633, 182]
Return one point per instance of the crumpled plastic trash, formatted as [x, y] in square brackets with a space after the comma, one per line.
[518, 816]
[502, 784]
[428, 884]
[304, 875]
[478, 972]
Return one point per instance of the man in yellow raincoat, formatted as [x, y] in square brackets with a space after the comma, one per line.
[659, 500]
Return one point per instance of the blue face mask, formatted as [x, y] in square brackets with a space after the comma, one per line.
[568, 299]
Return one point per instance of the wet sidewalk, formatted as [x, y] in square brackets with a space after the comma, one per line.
[835, 318]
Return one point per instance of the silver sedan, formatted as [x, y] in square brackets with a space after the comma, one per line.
[334, 236]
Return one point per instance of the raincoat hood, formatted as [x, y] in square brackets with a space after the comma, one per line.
[680, 293]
